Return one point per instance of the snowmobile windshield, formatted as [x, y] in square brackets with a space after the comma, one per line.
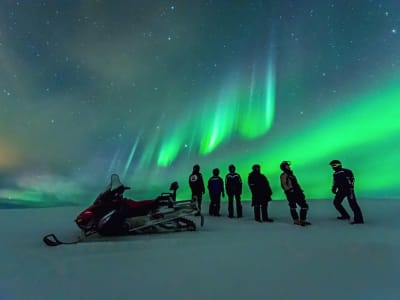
[115, 184]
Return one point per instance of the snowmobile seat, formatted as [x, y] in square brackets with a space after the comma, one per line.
[165, 199]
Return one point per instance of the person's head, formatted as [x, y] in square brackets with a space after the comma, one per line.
[256, 168]
[336, 164]
[231, 168]
[196, 168]
[285, 166]
[216, 172]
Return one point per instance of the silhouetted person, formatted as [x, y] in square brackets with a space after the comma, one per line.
[294, 195]
[215, 189]
[233, 187]
[196, 184]
[343, 186]
[261, 194]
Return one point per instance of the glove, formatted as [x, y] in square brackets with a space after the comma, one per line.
[334, 190]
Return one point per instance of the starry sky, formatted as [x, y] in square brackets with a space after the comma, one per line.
[147, 89]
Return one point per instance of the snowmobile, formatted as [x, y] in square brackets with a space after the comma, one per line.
[111, 214]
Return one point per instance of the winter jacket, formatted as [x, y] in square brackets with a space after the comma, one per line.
[216, 186]
[196, 183]
[343, 180]
[233, 183]
[260, 188]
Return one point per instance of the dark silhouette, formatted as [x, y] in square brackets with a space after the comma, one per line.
[261, 194]
[215, 189]
[294, 194]
[233, 187]
[343, 186]
[196, 184]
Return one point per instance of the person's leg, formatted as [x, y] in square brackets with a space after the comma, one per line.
[239, 209]
[198, 198]
[230, 205]
[337, 202]
[257, 212]
[358, 217]
[301, 201]
[211, 209]
[217, 205]
[264, 212]
[293, 207]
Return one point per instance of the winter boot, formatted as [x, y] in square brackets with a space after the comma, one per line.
[304, 223]
[296, 222]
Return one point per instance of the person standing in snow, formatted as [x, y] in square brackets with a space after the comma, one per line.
[261, 194]
[215, 189]
[343, 186]
[233, 187]
[294, 195]
[196, 184]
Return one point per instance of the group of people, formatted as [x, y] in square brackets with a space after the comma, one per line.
[343, 186]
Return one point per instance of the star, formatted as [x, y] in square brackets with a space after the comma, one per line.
[394, 31]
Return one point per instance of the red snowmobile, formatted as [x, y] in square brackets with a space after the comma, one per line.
[112, 214]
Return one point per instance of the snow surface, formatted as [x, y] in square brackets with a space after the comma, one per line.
[226, 259]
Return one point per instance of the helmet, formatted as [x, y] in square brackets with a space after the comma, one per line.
[284, 164]
[335, 163]
[256, 166]
[216, 172]
[231, 168]
[196, 168]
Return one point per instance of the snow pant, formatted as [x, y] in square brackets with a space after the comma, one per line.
[337, 202]
[260, 207]
[199, 198]
[239, 210]
[215, 205]
[297, 198]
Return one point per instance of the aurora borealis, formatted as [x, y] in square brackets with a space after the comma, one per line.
[147, 89]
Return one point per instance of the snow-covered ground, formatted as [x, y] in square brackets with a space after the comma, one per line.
[226, 259]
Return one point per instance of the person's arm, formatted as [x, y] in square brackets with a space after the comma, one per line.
[251, 183]
[334, 185]
[240, 184]
[350, 179]
[269, 190]
[202, 183]
[222, 187]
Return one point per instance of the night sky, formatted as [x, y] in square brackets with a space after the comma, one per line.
[147, 89]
